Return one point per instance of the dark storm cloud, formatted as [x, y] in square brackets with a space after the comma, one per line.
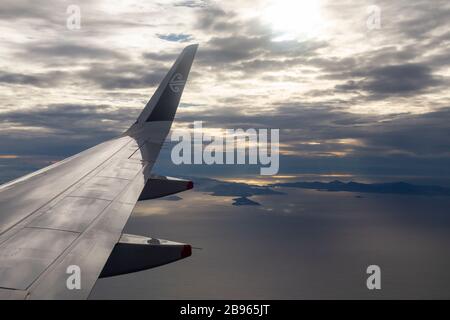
[38, 79]
[22, 9]
[383, 72]
[70, 118]
[421, 134]
[247, 53]
[415, 135]
[360, 65]
[305, 116]
[123, 76]
[402, 80]
[50, 15]
[402, 144]
[439, 60]
[215, 18]
[252, 55]
[421, 18]
[231, 49]
[62, 128]
[160, 56]
[68, 51]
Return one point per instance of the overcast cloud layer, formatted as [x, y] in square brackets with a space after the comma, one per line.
[347, 98]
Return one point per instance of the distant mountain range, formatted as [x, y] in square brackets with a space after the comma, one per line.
[230, 189]
[243, 191]
[391, 187]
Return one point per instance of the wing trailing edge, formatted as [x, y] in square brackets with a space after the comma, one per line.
[160, 186]
[136, 253]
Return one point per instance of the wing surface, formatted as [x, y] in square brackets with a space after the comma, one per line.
[71, 214]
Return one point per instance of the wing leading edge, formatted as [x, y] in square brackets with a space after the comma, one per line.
[72, 214]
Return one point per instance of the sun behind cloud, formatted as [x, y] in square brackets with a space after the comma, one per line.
[292, 19]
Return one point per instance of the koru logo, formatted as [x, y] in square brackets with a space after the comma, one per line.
[374, 280]
[177, 82]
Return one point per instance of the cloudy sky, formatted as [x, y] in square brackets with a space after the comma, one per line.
[349, 96]
[358, 89]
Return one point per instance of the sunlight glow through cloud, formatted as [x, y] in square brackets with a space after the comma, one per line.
[293, 19]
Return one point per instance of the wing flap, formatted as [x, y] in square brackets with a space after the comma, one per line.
[136, 253]
[160, 186]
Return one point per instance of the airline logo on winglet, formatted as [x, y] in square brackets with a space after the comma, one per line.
[177, 82]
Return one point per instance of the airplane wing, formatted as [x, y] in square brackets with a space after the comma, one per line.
[61, 227]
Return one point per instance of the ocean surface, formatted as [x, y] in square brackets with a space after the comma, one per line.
[301, 244]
